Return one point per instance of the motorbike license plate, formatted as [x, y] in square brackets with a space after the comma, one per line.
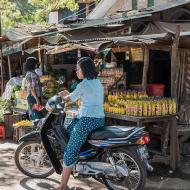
[143, 152]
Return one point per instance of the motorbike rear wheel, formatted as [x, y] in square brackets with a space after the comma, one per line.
[136, 171]
[32, 160]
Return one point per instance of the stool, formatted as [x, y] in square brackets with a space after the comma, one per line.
[2, 131]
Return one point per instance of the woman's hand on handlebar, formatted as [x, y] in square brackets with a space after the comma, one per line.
[64, 93]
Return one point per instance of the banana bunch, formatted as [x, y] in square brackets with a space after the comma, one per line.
[45, 78]
[23, 123]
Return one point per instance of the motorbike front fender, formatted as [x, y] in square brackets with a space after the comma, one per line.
[32, 136]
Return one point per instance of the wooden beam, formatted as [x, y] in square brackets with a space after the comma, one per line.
[174, 62]
[145, 67]
[120, 49]
[85, 1]
[159, 47]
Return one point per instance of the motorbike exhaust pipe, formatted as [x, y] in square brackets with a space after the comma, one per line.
[148, 166]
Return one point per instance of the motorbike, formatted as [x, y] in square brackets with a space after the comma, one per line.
[114, 155]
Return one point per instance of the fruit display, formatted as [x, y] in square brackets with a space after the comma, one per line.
[49, 87]
[15, 90]
[23, 123]
[133, 103]
[45, 78]
[6, 106]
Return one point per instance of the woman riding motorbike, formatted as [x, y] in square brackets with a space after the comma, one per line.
[90, 117]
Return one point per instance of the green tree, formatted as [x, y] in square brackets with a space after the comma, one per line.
[14, 12]
[27, 11]
[10, 15]
[44, 7]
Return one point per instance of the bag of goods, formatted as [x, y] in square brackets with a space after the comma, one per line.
[23, 123]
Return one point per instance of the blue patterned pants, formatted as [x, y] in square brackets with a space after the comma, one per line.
[78, 131]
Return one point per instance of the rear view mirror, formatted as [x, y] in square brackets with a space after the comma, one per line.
[61, 80]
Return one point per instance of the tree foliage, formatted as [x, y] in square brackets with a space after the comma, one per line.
[9, 13]
[44, 7]
[31, 11]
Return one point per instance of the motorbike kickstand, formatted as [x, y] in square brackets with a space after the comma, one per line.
[109, 154]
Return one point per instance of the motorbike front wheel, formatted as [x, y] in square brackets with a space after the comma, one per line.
[136, 171]
[32, 160]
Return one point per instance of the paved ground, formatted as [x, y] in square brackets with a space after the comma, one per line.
[12, 179]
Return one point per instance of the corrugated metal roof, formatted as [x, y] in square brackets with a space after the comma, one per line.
[124, 38]
[132, 15]
[169, 5]
[106, 8]
[30, 31]
[23, 33]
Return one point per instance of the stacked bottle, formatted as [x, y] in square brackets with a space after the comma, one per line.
[140, 107]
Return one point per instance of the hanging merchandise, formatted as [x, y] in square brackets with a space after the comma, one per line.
[21, 103]
[113, 62]
[12, 84]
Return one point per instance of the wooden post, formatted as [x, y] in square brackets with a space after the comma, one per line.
[9, 65]
[174, 62]
[45, 62]
[79, 53]
[145, 68]
[39, 53]
[87, 9]
[1, 65]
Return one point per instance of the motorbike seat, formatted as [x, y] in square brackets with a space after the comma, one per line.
[111, 132]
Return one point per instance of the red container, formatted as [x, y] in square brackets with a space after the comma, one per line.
[155, 89]
[2, 131]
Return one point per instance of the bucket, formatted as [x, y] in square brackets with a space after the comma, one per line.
[155, 89]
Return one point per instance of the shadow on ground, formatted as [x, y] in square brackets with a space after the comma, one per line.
[33, 184]
[49, 184]
[162, 171]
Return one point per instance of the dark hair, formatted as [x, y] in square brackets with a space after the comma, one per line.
[30, 64]
[88, 68]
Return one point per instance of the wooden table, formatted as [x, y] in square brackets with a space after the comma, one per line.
[170, 132]
[21, 131]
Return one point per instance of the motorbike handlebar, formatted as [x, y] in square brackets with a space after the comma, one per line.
[55, 104]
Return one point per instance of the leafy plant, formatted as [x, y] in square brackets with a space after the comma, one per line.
[6, 106]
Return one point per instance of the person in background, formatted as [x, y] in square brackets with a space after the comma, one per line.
[90, 116]
[33, 88]
[38, 71]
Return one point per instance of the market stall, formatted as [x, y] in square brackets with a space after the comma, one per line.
[144, 100]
